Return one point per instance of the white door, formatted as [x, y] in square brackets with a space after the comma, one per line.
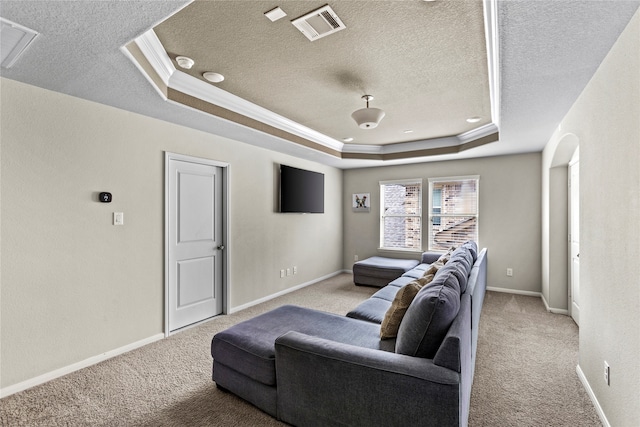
[195, 246]
[574, 240]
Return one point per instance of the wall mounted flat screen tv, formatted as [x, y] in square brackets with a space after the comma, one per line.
[301, 191]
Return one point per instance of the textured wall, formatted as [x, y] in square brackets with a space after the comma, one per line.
[509, 213]
[73, 285]
[605, 119]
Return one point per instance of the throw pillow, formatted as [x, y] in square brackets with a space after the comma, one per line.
[444, 258]
[401, 302]
[433, 269]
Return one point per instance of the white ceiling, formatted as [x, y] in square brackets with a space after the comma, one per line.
[548, 51]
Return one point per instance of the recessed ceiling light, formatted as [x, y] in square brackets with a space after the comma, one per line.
[213, 77]
[347, 139]
[474, 119]
[408, 131]
[184, 62]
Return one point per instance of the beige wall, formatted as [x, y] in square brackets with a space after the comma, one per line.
[605, 121]
[509, 213]
[73, 285]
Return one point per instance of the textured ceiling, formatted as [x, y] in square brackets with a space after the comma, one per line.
[425, 63]
[549, 49]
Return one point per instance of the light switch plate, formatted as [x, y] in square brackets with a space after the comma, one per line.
[118, 218]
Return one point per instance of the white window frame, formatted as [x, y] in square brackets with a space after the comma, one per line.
[432, 181]
[417, 181]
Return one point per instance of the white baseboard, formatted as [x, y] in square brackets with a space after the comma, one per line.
[592, 396]
[553, 310]
[514, 291]
[530, 294]
[284, 292]
[41, 379]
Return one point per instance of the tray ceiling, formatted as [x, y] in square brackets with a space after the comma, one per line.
[425, 63]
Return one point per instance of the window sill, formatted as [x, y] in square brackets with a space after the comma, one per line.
[410, 251]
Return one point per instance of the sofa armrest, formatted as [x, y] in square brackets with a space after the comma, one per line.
[430, 257]
[323, 382]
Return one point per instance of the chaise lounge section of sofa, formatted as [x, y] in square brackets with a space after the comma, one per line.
[308, 367]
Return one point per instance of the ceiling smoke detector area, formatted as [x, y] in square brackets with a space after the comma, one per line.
[319, 23]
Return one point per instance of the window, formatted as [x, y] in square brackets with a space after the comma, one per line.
[436, 205]
[401, 215]
[453, 211]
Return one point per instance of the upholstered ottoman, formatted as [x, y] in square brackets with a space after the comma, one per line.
[379, 271]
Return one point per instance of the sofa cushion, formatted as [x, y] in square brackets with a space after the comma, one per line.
[458, 269]
[371, 310]
[414, 274]
[399, 306]
[422, 267]
[473, 248]
[400, 281]
[387, 293]
[429, 317]
[464, 255]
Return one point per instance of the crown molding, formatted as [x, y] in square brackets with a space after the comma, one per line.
[175, 80]
[425, 144]
[200, 89]
[490, 8]
[154, 52]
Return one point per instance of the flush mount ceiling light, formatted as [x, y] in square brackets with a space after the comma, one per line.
[213, 77]
[474, 119]
[368, 118]
[184, 62]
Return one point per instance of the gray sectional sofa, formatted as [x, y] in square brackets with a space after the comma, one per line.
[312, 368]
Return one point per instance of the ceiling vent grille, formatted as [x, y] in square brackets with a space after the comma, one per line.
[319, 23]
[15, 39]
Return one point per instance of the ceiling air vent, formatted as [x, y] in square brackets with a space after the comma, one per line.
[15, 39]
[319, 23]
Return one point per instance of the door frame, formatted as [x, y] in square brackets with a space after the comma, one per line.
[168, 157]
[575, 160]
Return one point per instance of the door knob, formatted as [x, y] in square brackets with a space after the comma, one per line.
[221, 247]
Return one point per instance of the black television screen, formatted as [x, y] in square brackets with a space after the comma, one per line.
[301, 191]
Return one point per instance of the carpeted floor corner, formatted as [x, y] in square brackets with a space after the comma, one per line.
[526, 367]
[525, 373]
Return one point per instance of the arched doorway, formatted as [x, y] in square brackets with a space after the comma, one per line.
[557, 256]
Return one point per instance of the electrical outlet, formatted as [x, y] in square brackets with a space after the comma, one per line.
[281, 274]
[510, 272]
[288, 272]
[355, 257]
[607, 373]
[295, 269]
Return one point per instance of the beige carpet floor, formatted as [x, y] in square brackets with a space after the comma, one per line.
[525, 373]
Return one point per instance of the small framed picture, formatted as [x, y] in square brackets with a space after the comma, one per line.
[361, 202]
